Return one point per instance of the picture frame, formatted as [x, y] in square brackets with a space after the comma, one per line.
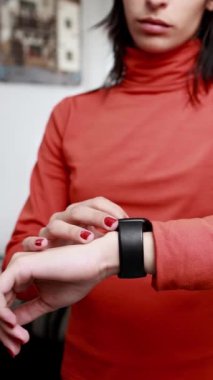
[40, 41]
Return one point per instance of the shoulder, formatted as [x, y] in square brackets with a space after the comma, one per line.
[88, 100]
[68, 111]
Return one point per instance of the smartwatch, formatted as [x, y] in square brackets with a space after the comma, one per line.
[131, 247]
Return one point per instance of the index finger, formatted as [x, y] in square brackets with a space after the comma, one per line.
[99, 204]
[6, 314]
[103, 204]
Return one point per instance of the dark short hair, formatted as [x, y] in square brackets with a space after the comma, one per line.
[116, 26]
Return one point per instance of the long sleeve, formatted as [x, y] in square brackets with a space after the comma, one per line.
[184, 254]
[48, 185]
[152, 154]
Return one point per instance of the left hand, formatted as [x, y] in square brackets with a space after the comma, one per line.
[62, 276]
[80, 223]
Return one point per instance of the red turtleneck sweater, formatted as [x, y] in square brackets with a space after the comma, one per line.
[144, 146]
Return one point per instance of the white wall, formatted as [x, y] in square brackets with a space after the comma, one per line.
[24, 110]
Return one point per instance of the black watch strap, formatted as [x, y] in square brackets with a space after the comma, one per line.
[131, 249]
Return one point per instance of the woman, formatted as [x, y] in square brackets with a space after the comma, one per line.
[150, 152]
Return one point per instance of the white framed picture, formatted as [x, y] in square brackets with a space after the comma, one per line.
[40, 41]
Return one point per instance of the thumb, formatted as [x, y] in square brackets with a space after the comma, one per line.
[29, 311]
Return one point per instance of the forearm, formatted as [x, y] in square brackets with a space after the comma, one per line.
[183, 253]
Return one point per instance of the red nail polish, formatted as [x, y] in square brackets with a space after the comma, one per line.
[109, 221]
[38, 242]
[85, 234]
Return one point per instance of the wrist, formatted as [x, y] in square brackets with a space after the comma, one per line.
[149, 253]
[109, 264]
[109, 255]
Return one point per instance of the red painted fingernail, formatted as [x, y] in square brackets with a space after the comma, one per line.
[109, 221]
[38, 242]
[11, 353]
[85, 234]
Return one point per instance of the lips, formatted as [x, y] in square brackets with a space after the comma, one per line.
[154, 21]
[152, 26]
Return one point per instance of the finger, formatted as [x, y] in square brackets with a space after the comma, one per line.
[104, 204]
[7, 316]
[98, 204]
[17, 332]
[58, 229]
[97, 232]
[29, 311]
[84, 215]
[34, 243]
[11, 344]
[16, 278]
[13, 339]
[91, 216]
[10, 298]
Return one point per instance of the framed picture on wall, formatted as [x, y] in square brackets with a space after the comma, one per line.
[40, 41]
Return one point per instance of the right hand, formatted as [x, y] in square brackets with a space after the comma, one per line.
[62, 276]
[80, 223]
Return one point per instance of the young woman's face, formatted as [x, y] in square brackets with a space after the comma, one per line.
[161, 25]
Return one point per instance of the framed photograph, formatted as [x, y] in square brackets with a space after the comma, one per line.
[40, 41]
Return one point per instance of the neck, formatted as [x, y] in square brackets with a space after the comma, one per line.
[167, 71]
[152, 55]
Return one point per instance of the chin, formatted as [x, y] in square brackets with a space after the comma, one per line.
[156, 47]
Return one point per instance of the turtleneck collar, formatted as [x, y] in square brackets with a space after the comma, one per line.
[155, 73]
